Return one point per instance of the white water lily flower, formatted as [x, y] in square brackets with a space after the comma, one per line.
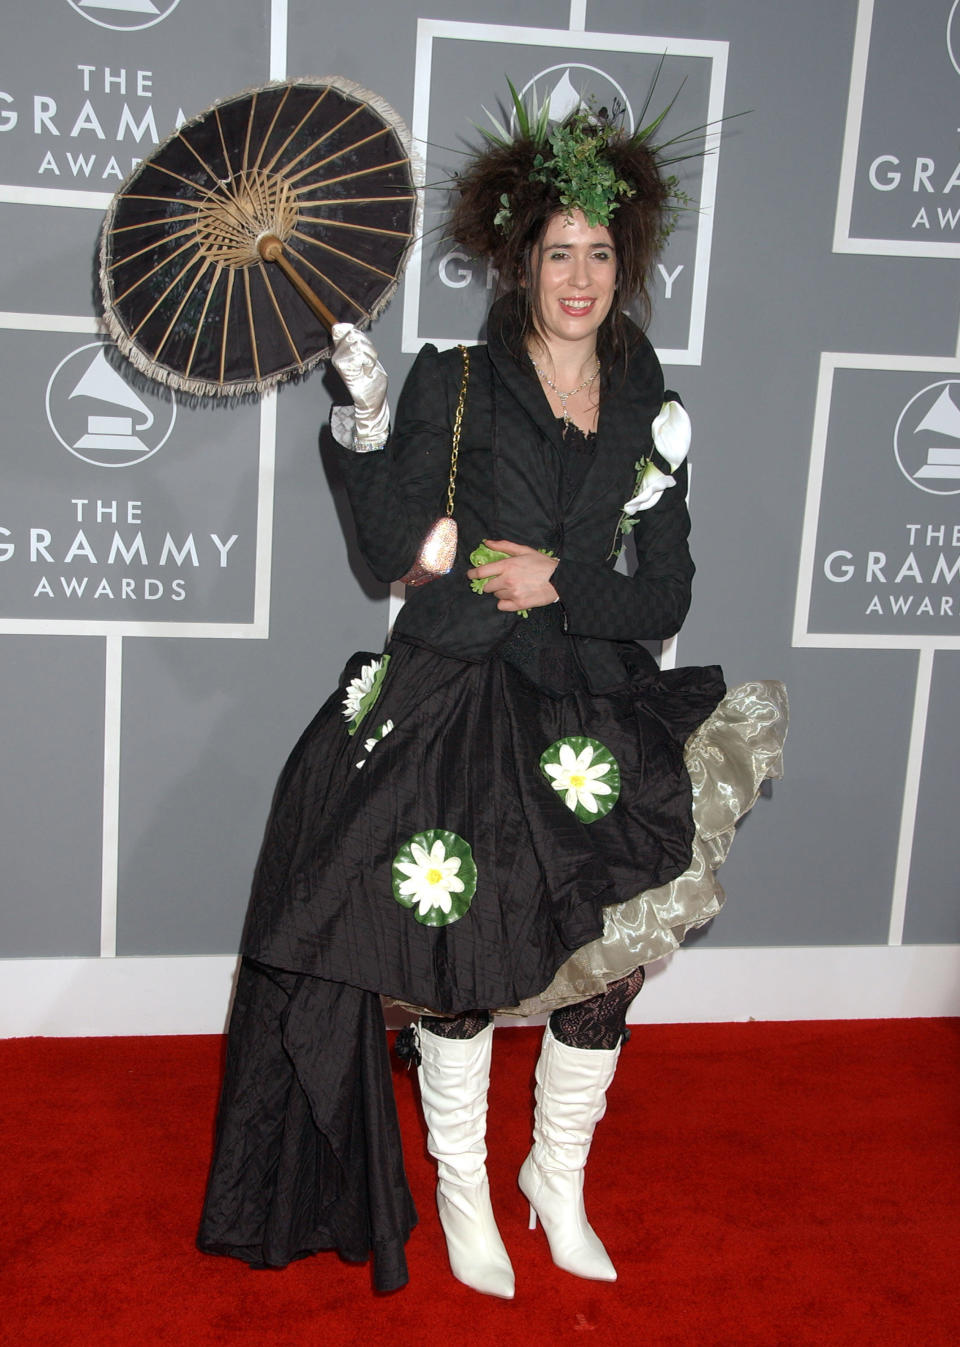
[578, 776]
[431, 877]
[358, 688]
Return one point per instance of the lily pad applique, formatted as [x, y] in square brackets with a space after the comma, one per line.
[363, 691]
[435, 875]
[585, 773]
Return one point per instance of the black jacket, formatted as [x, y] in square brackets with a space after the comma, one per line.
[508, 487]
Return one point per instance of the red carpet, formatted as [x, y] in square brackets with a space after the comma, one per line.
[757, 1185]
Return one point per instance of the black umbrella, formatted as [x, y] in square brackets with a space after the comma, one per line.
[229, 253]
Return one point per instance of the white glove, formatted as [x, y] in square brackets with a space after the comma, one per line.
[356, 361]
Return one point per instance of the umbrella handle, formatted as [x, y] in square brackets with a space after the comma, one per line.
[271, 250]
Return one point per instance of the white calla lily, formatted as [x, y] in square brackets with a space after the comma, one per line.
[671, 439]
[652, 485]
[671, 433]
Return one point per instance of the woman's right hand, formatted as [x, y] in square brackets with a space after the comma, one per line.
[356, 361]
[521, 579]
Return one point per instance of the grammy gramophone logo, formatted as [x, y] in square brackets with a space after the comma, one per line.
[124, 15]
[927, 438]
[99, 417]
[572, 86]
[953, 35]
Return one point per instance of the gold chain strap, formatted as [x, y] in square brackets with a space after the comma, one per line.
[457, 423]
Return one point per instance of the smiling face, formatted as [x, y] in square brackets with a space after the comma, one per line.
[576, 279]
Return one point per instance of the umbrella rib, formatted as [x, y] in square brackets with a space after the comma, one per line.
[167, 200]
[152, 224]
[356, 200]
[326, 136]
[202, 319]
[118, 299]
[150, 247]
[338, 252]
[180, 307]
[178, 177]
[286, 331]
[179, 277]
[345, 177]
[246, 141]
[345, 224]
[231, 276]
[253, 330]
[226, 201]
[266, 138]
[337, 154]
[223, 142]
[332, 284]
[262, 193]
[230, 203]
[223, 186]
[232, 206]
[309, 113]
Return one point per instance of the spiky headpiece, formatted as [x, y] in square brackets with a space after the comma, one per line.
[587, 162]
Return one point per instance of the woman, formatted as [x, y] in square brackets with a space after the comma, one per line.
[496, 813]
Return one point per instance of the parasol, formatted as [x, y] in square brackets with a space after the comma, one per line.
[229, 253]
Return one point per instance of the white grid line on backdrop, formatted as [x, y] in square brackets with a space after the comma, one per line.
[830, 362]
[843, 241]
[81, 997]
[110, 847]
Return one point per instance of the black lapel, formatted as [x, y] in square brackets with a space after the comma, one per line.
[627, 406]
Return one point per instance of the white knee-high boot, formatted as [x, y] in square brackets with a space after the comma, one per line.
[454, 1076]
[570, 1100]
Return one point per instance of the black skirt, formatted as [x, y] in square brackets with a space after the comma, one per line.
[452, 846]
[452, 852]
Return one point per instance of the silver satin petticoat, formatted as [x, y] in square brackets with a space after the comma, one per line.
[729, 757]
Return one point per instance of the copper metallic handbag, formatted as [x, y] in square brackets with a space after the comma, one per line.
[438, 550]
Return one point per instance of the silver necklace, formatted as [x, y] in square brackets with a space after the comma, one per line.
[570, 391]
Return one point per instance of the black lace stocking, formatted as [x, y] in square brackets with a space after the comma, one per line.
[601, 1021]
[466, 1025]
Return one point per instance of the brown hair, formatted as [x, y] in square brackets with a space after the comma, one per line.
[637, 228]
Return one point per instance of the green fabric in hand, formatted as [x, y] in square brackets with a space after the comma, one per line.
[483, 555]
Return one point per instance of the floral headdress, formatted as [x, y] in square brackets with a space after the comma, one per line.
[581, 158]
[586, 162]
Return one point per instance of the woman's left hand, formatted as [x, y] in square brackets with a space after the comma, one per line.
[521, 580]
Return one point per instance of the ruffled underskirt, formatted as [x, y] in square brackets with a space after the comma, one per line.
[736, 749]
[563, 904]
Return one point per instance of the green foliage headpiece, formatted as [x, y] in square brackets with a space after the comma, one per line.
[582, 161]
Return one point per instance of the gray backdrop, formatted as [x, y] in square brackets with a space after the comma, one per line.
[794, 461]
